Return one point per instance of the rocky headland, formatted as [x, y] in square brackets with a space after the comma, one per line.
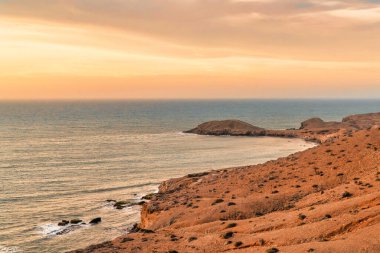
[314, 129]
[324, 199]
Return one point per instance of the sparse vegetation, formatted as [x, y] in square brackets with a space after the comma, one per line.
[346, 195]
[258, 214]
[227, 235]
[301, 216]
[231, 225]
[273, 250]
[217, 201]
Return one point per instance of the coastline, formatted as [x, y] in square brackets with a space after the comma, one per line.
[313, 200]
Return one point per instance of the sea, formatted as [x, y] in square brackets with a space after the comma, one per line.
[64, 159]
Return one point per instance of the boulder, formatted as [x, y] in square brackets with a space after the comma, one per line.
[149, 196]
[121, 204]
[96, 221]
[76, 221]
[136, 229]
[63, 223]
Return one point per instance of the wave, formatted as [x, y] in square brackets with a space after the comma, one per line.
[57, 195]
[53, 229]
[5, 249]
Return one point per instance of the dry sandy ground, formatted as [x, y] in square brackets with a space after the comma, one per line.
[325, 199]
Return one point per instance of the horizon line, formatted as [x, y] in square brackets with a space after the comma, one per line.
[181, 99]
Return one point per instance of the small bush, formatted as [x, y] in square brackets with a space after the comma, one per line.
[301, 216]
[272, 250]
[258, 214]
[346, 195]
[227, 235]
[217, 201]
[231, 225]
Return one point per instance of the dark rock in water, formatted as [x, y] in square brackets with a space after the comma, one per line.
[96, 221]
[75, 221]
[63, 223]
[149, 196]
[121, 204]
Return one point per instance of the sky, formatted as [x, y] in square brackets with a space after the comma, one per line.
[122, 49]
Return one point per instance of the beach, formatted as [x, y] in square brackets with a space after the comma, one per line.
[324, 199]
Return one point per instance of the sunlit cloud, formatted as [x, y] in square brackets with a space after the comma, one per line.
[147, 43]
[371, 15]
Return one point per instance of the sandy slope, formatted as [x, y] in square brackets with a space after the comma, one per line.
[325, 199]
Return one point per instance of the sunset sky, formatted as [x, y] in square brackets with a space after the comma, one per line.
[116, 49]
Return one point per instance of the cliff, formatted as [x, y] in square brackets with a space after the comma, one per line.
[324, 199]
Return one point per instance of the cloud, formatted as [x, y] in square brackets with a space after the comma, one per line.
[272, 28]
[259, 40]
[370, 14]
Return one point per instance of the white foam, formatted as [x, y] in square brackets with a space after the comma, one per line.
[51, 229]
[4, 249]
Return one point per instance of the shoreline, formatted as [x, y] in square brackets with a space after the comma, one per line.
[271, 205]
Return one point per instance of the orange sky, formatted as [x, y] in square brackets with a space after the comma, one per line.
[115, 49]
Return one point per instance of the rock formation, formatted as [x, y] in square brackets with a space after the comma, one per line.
[314, 129]
[227, 127]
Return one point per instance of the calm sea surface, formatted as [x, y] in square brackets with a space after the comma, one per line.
[63, 160]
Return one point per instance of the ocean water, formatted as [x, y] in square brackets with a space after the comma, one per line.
[63, 160]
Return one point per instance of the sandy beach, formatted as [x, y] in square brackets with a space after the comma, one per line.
[324, 199]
